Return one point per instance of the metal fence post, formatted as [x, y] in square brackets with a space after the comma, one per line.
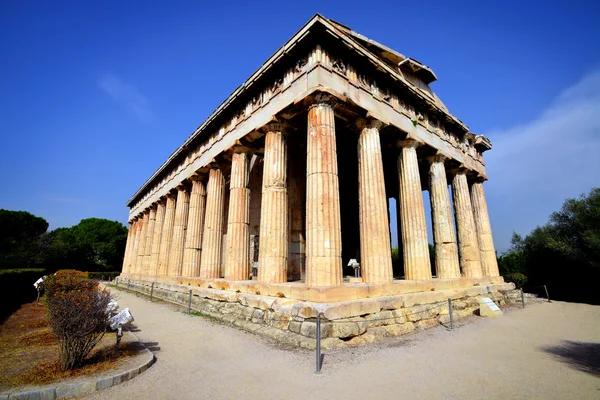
[450, 313]
[116, 283]
[547, 295]
[318, 345]
[522, 297]
[190, 303]
[151, 291]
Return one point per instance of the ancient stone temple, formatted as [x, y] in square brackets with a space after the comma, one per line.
[293, 176]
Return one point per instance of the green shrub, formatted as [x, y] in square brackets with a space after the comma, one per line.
[16, 288]
[517, 278]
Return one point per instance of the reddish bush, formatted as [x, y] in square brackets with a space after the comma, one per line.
[77, 308]
[71, 272]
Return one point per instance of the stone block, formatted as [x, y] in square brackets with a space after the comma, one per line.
[380, 318]
[417, 313]
[332, 343]
[309, 329]
[397, 329]
[295, 326]
[104, 383]
[392, 302]
[348, 327]
[426, 323]
[278, 320]
[258, 316]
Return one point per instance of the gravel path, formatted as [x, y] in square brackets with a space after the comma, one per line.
[517, 356]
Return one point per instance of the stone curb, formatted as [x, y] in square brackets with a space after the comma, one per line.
[75, 389]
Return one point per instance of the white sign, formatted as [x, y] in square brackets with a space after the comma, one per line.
[490, 304]
[39, 281]
[121, 319]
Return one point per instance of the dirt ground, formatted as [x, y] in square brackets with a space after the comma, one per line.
[545, 351]
[29, 352]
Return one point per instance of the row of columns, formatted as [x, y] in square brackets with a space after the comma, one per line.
[182, 234]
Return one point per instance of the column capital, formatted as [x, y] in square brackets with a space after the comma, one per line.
[409, 142]
[437, 158]
[368, 122]
[321, 98]
[275, 126]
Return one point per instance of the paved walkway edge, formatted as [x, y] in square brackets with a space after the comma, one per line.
[74, 389]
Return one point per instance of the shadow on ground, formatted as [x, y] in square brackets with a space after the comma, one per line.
[582, 356]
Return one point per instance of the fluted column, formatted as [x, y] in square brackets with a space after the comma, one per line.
[323, 225]
[212, 236]
[468, 248]
[179, 227]
[167, 235]
[444, 237]
[375, 247]
[417, 264]
[139, 264]
[128, 246]
[134, 246]
[489, 262]
[193, 235]
[237, 264]
[156, 237]
[149, 233]
[273, 245]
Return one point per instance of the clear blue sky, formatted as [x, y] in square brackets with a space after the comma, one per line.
[94, 96]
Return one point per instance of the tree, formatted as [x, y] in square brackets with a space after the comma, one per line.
[564, 254]
[18, 236]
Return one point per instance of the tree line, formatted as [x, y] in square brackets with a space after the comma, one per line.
[563, 254]
[94, 244]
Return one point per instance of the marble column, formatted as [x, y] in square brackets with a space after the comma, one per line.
[468, 248]
[274, 234]
[417, 265]
[323, 225]
[179, 229]
[156, 237]
[139, 264]
[444, 237]
[167, 235]
[128, 246]
[375, 247]
[489, 262]
[237, 263]
[212, 236]
[149, 234]
[193, 236]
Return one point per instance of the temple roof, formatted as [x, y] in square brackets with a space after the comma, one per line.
[402, 68]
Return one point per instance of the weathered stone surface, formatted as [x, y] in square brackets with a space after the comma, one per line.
[167, 235]
[470, 258]
[193, 237]
[349, 327]
[426, 323]
[309, 329]
[323, 226]
[272, 257]
[212, 236]
[446, 251]
[417, 264]
[376, 260]
[489, 262]
[237, 263]
[179, 230]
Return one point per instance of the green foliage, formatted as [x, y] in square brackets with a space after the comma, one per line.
[16, 288]
[19, 235]
[95, 244]
[517, 278]
[564, 254]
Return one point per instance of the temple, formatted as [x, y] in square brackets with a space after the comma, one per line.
[292, 176]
